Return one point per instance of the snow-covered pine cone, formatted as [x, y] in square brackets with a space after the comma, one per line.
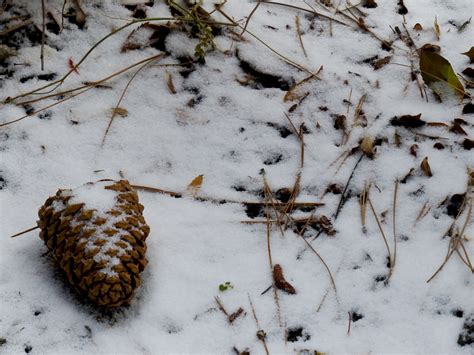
[97, 235]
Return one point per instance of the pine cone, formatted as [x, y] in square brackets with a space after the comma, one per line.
[97, 234]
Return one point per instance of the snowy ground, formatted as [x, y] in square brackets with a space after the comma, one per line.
[222, 123]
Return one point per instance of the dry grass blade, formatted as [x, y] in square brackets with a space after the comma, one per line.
[312, 11]
[343, 195]
[114, 114]
[382, 233]
[84, 89]
[333, 283]
[249, 17]
[260, 332]
[394, 223]
[363, 205]
[269, 250]
[55, 84]
[298, 33]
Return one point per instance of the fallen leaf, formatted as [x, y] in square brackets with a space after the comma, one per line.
[280, 282]
[120, 111]
[456, 128]
[381, 62]
[435, 68]
[195, 185]
[468, 144]
[468, 108]
[437, 30]
[408, 121]
[367, 146]
[414, 150]
[470, 54]
[402, 10]
[425, 167]
[469, 72]
[370, 4]
[418, 27]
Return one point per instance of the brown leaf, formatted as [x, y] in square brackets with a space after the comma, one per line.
[326, 226]
[418, 27]
[402, 10]
[280, 282]
[370, 4]
[414, 150]
[468, 108]
[469, 72]
[425, 167]
[407, 176]
[170, 84]
[381, 62]
[120, 112]
[470, 54]
[195, 185]
[367, 146]
[468, 144]
[456, 128]
[408, 121]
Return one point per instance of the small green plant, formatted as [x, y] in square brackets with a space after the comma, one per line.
[198, 18]
[225, 286]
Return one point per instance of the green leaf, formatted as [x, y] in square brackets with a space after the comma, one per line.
[435, 68]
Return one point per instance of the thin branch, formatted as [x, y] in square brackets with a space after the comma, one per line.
[43, 34]
[24, 232]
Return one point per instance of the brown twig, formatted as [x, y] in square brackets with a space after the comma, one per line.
[260, 332]
[24, 232]
[43, 34]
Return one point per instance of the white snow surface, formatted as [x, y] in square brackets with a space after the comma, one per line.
[228, 134]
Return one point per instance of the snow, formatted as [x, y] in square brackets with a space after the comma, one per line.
[194, 246]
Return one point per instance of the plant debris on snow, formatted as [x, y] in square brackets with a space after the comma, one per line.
[317, 154]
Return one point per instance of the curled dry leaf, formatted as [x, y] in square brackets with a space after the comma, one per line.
[119, 111]
[370, 4]
[425, 167]
[468, 108]
[468, 144]
[402, 10]
[414, 150]
[418, 27]
[280, 282]
[367, 146]
[456, 128]
[470, 54]
[469, 72]
[381, 62]
[408, 121]
[195, 185]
